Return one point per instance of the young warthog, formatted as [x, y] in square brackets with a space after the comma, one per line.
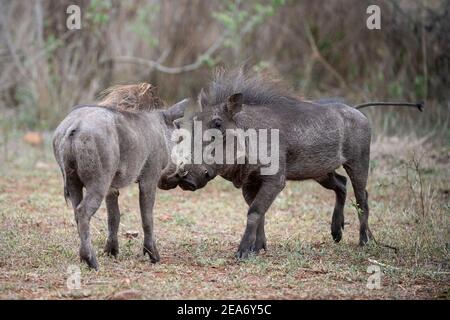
[314, 140]
[104, 147]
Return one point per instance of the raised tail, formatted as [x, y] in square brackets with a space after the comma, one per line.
[418, 105]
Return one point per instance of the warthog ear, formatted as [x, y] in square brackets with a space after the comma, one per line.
[176, 111]
[234, 104]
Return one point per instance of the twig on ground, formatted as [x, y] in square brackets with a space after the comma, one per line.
[319, 271]
[382, 264]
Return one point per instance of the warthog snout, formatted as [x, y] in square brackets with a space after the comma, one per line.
[192, 178]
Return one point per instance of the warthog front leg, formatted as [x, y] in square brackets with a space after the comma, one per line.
[147, 191]
[269, 189]
[249, 192]
[112, 207]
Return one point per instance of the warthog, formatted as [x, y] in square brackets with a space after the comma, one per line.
[104, 147]
[315, 139]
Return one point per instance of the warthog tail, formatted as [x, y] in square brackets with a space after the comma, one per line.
[66, 192]
[418, 105]
[68, 160]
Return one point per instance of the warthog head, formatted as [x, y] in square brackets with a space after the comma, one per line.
[218, 117]
[184, 170]
[212, 123]
[175, 173]
[169, 178]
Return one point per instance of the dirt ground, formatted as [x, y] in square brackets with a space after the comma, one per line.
[198, 233]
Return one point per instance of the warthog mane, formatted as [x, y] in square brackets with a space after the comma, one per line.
[257, 89]
[132, 97]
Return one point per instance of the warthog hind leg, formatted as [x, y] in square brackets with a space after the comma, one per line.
[85, 210]
[337, 183]
[358, 172]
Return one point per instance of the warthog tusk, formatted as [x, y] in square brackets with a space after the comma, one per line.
[184, 174]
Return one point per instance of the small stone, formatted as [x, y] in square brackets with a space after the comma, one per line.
[126, 295]
[77, 294]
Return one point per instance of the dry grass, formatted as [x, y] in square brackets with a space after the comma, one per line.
[198, 233]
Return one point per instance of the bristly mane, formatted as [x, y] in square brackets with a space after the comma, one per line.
[256, 89]
[132, 97]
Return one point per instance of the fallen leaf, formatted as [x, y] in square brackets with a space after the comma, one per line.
[165, 217]
[33, 138]
[131, 234]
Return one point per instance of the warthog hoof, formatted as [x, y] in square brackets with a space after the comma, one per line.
[364, 237]
[89, 258]
[260, 244]
[336, 231]
[152, 252]
[244, 252]
[112, 247]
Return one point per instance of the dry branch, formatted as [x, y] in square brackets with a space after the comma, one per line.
[173, 70]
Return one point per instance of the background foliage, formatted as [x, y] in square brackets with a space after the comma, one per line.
[321, 48]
